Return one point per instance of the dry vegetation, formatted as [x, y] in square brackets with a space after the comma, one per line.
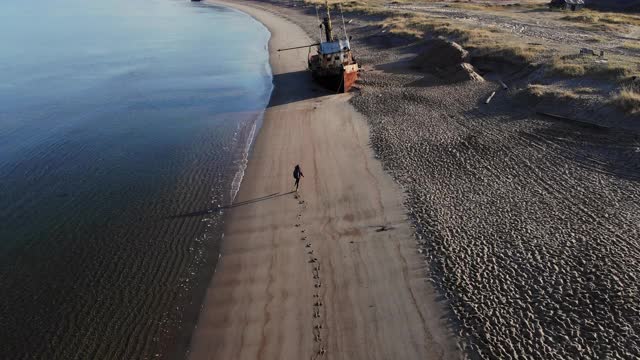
[547, 91]
[495, 7]
[493, 44]
[585, 90]
[628, 99]
[631, 45]
[481, 42]
[496, 44]
[555, 92]
[604, 20]
[613, 68]
[346, 5]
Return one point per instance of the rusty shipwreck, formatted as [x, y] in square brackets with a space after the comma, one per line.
[332, 65]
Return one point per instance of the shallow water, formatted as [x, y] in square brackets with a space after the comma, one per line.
[123, 126]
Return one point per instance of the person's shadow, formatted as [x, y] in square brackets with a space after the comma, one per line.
[230, 206]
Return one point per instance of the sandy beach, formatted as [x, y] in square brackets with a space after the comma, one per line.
[530, 224]
[331, 273]
[526, 224]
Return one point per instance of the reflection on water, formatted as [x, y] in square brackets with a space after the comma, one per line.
[115, 116]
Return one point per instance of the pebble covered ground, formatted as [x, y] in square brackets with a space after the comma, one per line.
[530, 225]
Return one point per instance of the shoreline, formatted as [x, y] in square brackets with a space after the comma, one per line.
[328, 293]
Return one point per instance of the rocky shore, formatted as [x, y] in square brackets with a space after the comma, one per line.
[529, 224]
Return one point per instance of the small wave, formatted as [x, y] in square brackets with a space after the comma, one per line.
[244, 160]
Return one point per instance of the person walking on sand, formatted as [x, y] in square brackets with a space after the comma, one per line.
[297, 174]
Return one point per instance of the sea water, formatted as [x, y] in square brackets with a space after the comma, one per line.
[124, 128]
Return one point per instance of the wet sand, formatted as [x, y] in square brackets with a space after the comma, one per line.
[331, 273]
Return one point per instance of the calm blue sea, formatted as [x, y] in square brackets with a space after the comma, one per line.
[124, 124]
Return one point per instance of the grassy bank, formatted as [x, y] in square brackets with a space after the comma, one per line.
[610, 68]
[628, 99]
[602, 20]
[493, 46]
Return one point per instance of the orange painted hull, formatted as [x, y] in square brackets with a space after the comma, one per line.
[349, 77]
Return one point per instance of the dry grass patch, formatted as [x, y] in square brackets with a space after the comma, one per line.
[360, 6]
[585, 90]
[595, 39]
[553, 92]
[603, 20]
[489, 42]
[410, 25]
[550, 92]
[631, 45]
[613, 68]
[502, 47]
[494, 7]
[562, 67]
[332, 2]
[628, 99]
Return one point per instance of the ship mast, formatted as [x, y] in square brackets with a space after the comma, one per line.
[344, 27]
[327, 23]
[319, 23]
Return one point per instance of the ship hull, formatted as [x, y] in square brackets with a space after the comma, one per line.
[339, 81]
[350, 75]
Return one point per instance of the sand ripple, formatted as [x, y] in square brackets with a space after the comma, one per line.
[531, 226]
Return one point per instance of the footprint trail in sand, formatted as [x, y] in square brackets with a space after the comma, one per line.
[319, 348]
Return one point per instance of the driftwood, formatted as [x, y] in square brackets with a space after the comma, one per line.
[490, 97]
